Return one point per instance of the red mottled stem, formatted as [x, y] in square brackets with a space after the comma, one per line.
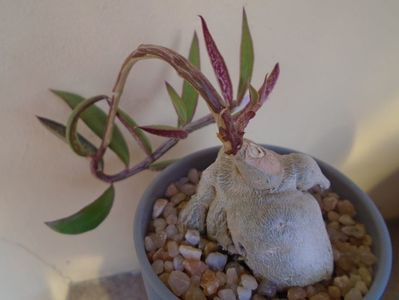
[159, 152]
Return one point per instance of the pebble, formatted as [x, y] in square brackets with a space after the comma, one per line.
[258, 297]
[171, 190]
[193, 176]
[169, 210]
[210, 247]
[178, 282]
[222, 278]
[194, 267]
[157, 266]
[227, 294]
[159, 224]
[333, 216]
[209, 282]
[158, 208]
[342, 282]
[365, 275]
[361, 286]
[231, 277]
[164, 278]
[190, 252]
[296, 293]
[168, 266]
[159, 239]
[178, 263]
[179, 197]
[171, 220]
[267, 288]
[353, 294]
[194, 293]
[171, 230]
[345, 207]
[243, 293]
[188, 189]
[178, 237]
[192, 236]
[346, 220]
[173, 248]
[334, 292]
[249, 282]
[216, 260]
[320, 296]
[357, 231]
[195, 280]
[329, 203]
[149, 244]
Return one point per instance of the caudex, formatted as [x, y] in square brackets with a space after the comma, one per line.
[251, 200]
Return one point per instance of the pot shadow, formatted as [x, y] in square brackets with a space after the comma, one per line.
[386, 195]
[392, 290]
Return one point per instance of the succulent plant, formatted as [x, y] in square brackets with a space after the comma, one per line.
[230, 114]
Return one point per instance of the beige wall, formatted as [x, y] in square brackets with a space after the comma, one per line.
[337, 99]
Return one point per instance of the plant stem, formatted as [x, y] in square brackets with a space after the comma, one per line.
[159, 152]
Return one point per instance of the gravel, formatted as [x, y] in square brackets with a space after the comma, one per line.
[194, 268]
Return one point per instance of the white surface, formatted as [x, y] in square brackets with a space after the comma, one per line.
[337, 98]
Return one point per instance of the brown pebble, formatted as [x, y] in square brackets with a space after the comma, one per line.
[173, 248]
[345, 207]
[194, 293]
[357, 231]
[168, 266]
[171, 230]
[334, 292]
[178, 282]
[296, 293]
[159, 224]
[367, 240]
[320, 296]
[346, 220]
[179, 197]
[231, 277]
[258, 297]
[332, 216]
[353, 294]
[188, 189]
[169, 210]
[157, 266]
[222, 278]
[329, 203]
[345, 263]
[171, 190]
[171, 220]
[210, 247]
[209, 282]
[164, 278]
[267, 288]
[365, 275]
[194, 267]
[159, 239]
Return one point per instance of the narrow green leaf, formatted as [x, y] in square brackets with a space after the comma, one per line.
[88, 217]
[189, 94]
[96, 120]
[246, 57]
[60, 131]
[138, 134]
[178, 104]
[253, 94]
[160, 165]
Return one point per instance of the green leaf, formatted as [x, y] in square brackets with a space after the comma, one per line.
[88, 217]
[246, 58]
[189, 94]
[160, 165]
[96, 120]
[138, 134]
[253, 94]
[178, 104]
[60, 131]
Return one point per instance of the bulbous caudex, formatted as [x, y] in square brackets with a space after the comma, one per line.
[256, 204]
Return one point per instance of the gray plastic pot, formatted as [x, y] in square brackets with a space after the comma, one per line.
[368, 214]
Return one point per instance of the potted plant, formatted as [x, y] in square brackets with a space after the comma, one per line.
[260, 222]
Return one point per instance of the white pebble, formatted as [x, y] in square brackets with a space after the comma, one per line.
[232, 277]
[190, 252]
[149, 244]
[249, 282]
[243, 293]
[179, 282]
[159, 239]
[193, 176]
[192, 236]
[216, 260]
[159, 224]
[178, 263]
[158, 208]
[346, 220]
[171, 220]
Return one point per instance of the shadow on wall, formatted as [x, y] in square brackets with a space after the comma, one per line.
[386, 195]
